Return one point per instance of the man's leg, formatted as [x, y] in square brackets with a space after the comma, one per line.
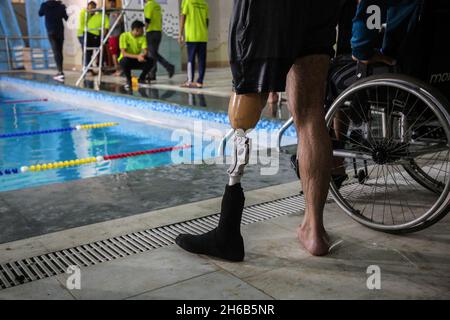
[90, 42]
[145, 67]
[192, 49]
[126, 65]
[152, 42]
[56, 44]
[201, 61]
[59, 56]
[170, 68]
[226, 241]
[306, 93]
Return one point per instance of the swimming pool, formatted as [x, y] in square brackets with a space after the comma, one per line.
[127, 136]
[142, 125]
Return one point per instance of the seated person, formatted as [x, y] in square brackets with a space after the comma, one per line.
[133, 48]
[398, 15]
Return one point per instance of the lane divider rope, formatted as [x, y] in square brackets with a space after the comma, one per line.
[29, 113]
[76, 128]
[84, 161]
[23, 101]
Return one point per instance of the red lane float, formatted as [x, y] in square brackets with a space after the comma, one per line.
[23, 101]
[141, 153]
[78, 162]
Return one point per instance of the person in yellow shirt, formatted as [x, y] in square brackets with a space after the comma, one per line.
[153, 22]
[93, 40]
[82, 20]
[133, 48]
[194, 22]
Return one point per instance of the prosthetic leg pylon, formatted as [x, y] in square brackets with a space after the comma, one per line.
[226, 241]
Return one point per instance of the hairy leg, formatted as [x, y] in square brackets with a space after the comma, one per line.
[306, 91]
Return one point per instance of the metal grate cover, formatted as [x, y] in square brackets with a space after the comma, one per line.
[55, 263]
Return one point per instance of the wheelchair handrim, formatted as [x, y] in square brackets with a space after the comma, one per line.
[439, 111]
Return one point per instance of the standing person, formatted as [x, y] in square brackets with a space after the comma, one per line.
[133, 48]
[82, 21]
[55, 12]
[301, 36]
[194, 22]
[153, 21]
[113, 41]
[93, 36]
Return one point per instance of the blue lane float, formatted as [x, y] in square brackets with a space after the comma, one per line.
[78, 127]
[11, 171]
[34, 133]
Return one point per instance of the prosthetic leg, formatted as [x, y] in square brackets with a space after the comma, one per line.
[226, 241]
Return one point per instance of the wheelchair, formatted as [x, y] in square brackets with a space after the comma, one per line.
[393, 139]
[394, 134]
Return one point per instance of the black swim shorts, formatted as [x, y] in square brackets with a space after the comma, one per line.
[267, 36]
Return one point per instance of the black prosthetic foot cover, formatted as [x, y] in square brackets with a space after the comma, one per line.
[225, 241]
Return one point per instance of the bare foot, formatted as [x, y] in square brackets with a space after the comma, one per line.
[315, 242]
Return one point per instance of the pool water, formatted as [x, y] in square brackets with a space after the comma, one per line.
[128, 136]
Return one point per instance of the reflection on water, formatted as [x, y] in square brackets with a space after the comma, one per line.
[204, 101]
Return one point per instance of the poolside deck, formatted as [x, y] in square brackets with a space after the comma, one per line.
[276, 267]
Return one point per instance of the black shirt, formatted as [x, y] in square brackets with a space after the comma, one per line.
[54, 12]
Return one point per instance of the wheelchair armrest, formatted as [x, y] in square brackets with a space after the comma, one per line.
[367, 70]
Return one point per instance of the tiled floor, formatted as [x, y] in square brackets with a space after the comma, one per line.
[414, 266]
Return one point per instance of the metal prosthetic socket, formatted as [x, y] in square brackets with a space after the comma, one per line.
[240, 156]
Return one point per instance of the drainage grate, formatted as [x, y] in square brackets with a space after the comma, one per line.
[55, 263]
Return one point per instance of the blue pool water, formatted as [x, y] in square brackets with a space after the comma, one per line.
[129, 136]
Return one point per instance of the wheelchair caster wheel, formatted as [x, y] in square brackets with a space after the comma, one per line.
[362, 176]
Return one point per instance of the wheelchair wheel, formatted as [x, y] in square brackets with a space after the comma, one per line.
[423, 178]
[396, 129]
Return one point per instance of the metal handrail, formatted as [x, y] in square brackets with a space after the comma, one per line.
[10, 49]
[282, 130]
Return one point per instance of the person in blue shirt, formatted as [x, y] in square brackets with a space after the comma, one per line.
[399, 17]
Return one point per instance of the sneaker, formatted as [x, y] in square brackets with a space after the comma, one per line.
[127, 86]
[59, 76]
[171, 71]
[143, 82]
[188, 84]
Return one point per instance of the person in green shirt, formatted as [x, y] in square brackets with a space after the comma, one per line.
[133, 48]
[194, 22]
[153, 21]
[82, 21]
[93, 36]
